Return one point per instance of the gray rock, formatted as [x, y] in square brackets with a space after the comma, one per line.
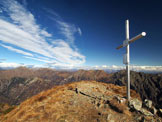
[110, 118]
[120, 99]
[135, 104]
[153, 110]
[148, 103]
[146, 112]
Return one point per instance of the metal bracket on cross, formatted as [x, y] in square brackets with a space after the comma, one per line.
[125, 43]
[126, 56]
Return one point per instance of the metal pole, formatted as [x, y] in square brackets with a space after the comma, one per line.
[127, 65]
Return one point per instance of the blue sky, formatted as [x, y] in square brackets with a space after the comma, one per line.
[79, 33]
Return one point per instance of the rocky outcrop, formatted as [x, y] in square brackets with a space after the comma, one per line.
[135, 104]
[149, 86]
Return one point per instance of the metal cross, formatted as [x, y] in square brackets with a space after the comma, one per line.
[126, 56]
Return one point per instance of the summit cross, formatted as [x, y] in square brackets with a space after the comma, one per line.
[126, 59]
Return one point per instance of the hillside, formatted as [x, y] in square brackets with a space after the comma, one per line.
[18, 84]
[97, 75]
[86, 101]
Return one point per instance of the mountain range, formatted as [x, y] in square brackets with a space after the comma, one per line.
[17, 85]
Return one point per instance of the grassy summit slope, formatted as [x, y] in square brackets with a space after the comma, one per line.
[85, 101]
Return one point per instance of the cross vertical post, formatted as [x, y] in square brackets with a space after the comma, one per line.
[126, 56]
[127, 63]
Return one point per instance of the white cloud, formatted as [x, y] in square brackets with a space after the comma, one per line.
[9, 65]
[45, 33]
[15, 65]
[38, 59]
[24, 3]
[148, 69]
[16, 50]
[132, 67]
[23, 18]
[68, 30]
[53, 13]
[79, 31]
[23, 31]
[1, 11]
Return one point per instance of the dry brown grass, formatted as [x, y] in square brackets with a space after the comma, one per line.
[5, 108]
[62, 103]
[119, 107]
[114, 104]
[121, 90]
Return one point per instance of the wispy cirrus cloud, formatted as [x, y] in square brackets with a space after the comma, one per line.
[66, 29]
[20, 29]
[16, 50]
[79, 31]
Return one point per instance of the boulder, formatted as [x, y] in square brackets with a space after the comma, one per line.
[148, 103]
[135, 104]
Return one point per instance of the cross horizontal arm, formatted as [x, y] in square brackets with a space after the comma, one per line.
[134, 39]
[119, 47]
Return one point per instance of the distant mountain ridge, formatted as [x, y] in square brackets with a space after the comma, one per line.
[16, 85]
